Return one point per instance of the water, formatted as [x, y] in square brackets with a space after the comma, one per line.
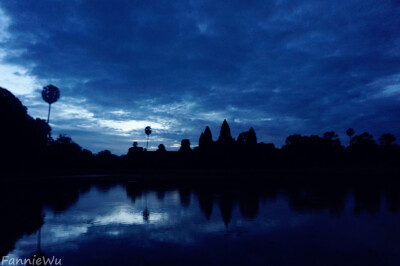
[128, 224]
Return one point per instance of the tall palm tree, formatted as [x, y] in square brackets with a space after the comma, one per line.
[50, 94]
[350, 133]
[147, 130]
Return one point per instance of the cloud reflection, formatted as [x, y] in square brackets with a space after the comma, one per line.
[128, 216]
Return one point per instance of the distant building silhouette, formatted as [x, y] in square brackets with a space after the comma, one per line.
[185, 146]
[25, 147]
[225, 137]
[248, 138]
[205, 141]
[161, 148]
[135, 149]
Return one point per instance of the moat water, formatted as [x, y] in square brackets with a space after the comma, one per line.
[128, 224]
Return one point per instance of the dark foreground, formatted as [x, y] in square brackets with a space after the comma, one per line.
[139, 220]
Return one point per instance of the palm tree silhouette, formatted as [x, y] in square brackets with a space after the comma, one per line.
[50, 94]
[350, 133]
[147, 130]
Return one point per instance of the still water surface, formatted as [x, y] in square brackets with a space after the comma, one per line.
[124, 224]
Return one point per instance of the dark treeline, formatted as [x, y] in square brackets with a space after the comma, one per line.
[26, 147]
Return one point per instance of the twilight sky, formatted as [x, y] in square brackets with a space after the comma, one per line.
[281, 66]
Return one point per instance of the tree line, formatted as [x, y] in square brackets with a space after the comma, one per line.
[27, 146]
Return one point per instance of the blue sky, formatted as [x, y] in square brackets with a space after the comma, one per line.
[283, 67]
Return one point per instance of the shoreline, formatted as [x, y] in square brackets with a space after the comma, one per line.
[248, 176]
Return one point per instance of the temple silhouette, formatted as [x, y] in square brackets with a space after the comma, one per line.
[27, 148]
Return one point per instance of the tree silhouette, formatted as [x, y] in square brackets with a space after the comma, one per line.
[23, 139]
[147, 130]
[386, 139]
[332, 138]
[363, 139]
[350, 133]
[50, 94]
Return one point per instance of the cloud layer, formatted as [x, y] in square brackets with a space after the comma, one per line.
[283, 67]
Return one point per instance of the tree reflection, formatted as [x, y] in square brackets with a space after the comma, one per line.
[24, 205]
[317, 198]
[248, 205]
[367, 198]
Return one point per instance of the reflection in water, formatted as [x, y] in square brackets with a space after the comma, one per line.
[324, 197]
[226, 203]
[38, 253]
[184, 195]
[21, 214]
[88, 223]
[367, 198]
[146, 212]
[249, 206]
[393, 198]
[206, 201]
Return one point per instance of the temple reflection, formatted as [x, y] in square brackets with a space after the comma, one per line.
[80, 210]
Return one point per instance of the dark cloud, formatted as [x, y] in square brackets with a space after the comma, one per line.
[283, 67]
